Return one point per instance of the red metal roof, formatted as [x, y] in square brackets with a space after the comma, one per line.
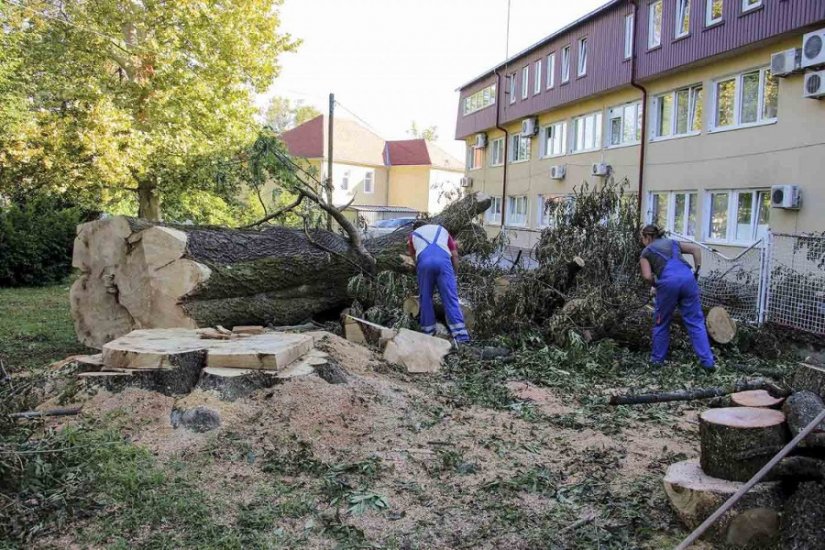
[306, 140]
[407, 152]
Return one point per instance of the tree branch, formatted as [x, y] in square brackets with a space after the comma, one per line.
[280, 212]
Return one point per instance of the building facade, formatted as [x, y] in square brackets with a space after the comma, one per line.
[675, 96]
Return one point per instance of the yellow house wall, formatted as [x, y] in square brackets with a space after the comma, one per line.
[409, 186]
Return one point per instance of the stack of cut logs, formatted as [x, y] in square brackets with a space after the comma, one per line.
[736, 442]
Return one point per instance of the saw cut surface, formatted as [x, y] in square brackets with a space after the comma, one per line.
[743, 417]
[153, 349]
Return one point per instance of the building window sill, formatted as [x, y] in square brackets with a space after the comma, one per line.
[580, 76]
[585, 151]
[548, 157]
[519, 161]
[565, 82]
[516, 225]
[475, 169]
[550, 87]
[622, 145]
[742, 126]
[492, 222]
[680, 38]
[713, 25]
[654, 48]
[499, 165]
[754, 9]
[677, 136]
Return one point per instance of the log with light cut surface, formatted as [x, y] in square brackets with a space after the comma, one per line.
[801, 409]
[737, 441]
[755, 398]
[809, 378]
[721, 328]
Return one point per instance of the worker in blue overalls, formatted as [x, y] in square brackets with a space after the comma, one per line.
[674, 284]
[436, 262]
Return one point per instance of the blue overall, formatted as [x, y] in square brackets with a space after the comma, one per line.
[435, 268]
[676, 285]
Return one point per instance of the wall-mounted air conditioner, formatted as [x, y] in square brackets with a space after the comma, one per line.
[814, 85]
[481, 141]
[466, 181]
[558, 172]
[600, 169]
[787, 62]
[813, 49]
[529, 126]
[786, 196]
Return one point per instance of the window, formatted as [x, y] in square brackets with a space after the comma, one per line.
[537, 77]
[678, 113]
[748, 5]
[525, 81]
[551, 70]
[674, 211]
[519, 148]
[480, 99]
[624, 124]
[582, 68]
[554, 140]
[740, 217]
[628, 36]
[587, 132]
[746, 99]
[493, 214]
[517, 210]
[497, 152]
[475, 158]
[368, 183]
[551, 206]
[565, 64]
[713, 14]
[654, 24]
[513, 88]
[345, 181]
[682, 18]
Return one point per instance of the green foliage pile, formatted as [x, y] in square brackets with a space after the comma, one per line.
[36, 238]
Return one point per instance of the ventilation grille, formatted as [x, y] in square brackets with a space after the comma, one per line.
[813, 84]
[813, 47]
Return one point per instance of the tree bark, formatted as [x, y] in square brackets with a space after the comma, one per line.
[138, 274]
[803, 523]
[148, 202]
[809, 378]
[698, 393]
[736, 442]
[801, 409]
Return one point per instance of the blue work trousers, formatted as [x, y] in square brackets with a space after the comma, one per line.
[435, 270]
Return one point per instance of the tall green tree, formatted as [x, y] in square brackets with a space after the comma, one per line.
[283, 114]
[141, 97]
[429, 133]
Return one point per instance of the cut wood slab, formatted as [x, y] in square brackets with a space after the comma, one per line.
[755, 398]
[737, 441]
[694, 496]
[179, 376]
[416, 352]
[249, 329]
[809, 378]
[801, 409]
[721, 328]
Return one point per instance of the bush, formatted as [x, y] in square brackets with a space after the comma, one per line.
[36, 237]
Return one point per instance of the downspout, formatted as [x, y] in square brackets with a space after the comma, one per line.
[635, 84]
[506, 145]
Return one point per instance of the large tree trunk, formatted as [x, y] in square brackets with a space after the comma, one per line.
[136, 274]
[148, 202]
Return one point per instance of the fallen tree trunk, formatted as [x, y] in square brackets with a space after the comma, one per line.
[800, 409]
[699, 393]
[136, 274]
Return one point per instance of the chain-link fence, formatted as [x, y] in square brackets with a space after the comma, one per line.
[734, 283]
[795, 280]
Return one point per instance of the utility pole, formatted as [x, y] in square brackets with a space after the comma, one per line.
[330, 187]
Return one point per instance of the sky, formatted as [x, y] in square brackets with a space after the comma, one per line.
[391, 62]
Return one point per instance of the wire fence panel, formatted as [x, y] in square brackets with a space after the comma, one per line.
[733, 283]
[796, 282]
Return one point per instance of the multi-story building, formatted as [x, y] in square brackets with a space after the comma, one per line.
[676, 96]
[378, 179]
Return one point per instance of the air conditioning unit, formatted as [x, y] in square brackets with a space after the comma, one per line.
[466, 181]
[786, 196]
[529, 126]
[813, 49]
[558, 172]
[600, 169]
[814, 86]
[787, 62]
[481, 141]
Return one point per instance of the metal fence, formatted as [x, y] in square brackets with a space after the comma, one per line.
[735, 283]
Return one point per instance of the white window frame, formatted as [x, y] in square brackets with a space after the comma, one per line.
[581, 60]
[651, 24]
[737, 102]
[496, 152]
[369, 178]
[480, 100]
[750, 5]
[559, 128]
[541, 222]
[493, 214]
[551, 70]
[655, 113]
[516, 147]
[512, 88]
[670, 211]
[620, 110]
[732, 214]
[628, 35]
[709, 20]
[345, 180]
[525, 81]
[537, 77]
[475, 154]
[682, 14]
[565, 64]
[598, 121]
[518, 210]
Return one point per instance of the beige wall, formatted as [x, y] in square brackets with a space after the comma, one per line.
[409, 186]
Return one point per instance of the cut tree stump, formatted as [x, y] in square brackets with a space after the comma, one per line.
[809, 378]
[416, 352]
[755, 398]
[721, 328]
[803, 523]
[136, 274]
[694, 496]
[232, 384]
[412, 307]
[737, 441]
[801, 409]
[179, 376]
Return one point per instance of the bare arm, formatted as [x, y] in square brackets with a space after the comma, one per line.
[647, 272]
[454, 258]
[693, 250]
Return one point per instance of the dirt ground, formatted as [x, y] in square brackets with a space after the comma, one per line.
[431, 475]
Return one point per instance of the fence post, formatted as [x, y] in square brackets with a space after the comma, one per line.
[765, 278]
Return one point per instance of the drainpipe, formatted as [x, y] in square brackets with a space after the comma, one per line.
[643, 144]
[506, 146]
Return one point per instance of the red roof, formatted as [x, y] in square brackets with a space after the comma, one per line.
[306, 140]
[407, 152]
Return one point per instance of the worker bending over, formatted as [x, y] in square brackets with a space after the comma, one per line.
[674, 284]
[436, 262]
